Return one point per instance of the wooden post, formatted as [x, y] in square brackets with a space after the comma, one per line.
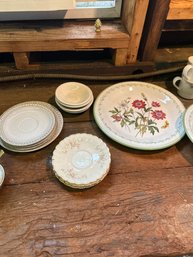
[21, 60]
[120, 57]
[155, 19]
[133, 18]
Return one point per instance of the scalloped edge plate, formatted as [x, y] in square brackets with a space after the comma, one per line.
[81, 160]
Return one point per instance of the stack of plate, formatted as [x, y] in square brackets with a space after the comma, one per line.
[29, 126]
[81, 160]
[73, 97]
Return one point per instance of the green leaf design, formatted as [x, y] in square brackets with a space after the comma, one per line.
[151, 122]
[147, 109]
[136, 122]
[131, 122]
[152, 129]
[156, 128]
[122, 123]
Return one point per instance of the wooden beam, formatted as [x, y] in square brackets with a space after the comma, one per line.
[138, 20]
[120, 57]
[43, 36]
[156, 16]
[180, 10]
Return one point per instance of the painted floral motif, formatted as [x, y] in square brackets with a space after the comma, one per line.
[140, 114]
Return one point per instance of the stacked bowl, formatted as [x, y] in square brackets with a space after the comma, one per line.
[74, 97]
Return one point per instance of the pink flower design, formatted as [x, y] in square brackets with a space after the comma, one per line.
[155, 104]
[139, 104]
[116, 117]
[158, 115]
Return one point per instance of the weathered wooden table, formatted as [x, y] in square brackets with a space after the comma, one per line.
[144, 207]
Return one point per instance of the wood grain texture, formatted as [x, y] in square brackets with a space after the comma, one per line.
[120, 57]
[137, 29]
[180, 10]
[128, 12]
[142, 208]
[21, 60]
[173, 54]
[156, 16]
[43, 36]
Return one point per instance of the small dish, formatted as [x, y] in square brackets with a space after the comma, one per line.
[73, 94]
[2, 175]
[81, 160]
[75, 110]
[188, 122]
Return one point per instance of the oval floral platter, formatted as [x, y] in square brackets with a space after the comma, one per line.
[188, 122]
[140, 115]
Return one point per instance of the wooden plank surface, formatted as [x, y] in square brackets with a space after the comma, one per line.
[173, 54]
[46, 36]
[142, 208]
[180, 10]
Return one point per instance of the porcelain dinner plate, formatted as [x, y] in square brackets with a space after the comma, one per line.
[140, 115]
[26, 123]
[188, 122]
[81, 160]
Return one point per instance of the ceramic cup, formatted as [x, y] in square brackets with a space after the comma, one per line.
[188, 72]
[190, 60]
[184, 87]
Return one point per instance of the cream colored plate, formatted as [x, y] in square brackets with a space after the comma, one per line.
[54, 134]
[26, 123]
[81, 160]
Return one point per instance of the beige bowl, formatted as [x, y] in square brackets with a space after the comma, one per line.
[75, 110]
[73, 94]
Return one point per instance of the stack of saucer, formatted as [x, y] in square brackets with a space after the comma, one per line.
[29, 126]
[81, 160]
[73, 97]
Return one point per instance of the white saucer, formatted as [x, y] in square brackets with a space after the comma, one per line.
[81, 160]
[45, 141]
[26, 123]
